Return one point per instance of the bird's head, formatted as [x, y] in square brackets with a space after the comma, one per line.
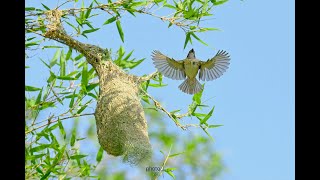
[191, 54]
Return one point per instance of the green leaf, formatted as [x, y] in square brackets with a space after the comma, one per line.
[39, 97]
[88, 11]
[33, 157]
[66, 78]
[172, 112]
[46, 105]
[79, 156]
[208, 134]
[145, 99]
[171, 169]
[31, 44]
[73, 137]
[69, 54]
[214, 126]
[84, 77]
[92, 95]
[46, 7]
[128, 56]
[200, 115]
[99, 154]
[55, 162]
[110, 20]
[62, 64]
[52, 77]
[81, 109]
[208, 29]
[61, 128]
[172, 155]
[170, 173]
[72, 100]
[205, 119]
[218, 2]
[90, 31]
[91, 86]
[157, 85]
[120, 30]
[170, 6]
[196, 37]
[78, 57]
[51, 47]
[187, 40]
[52, 128]
[72, 26]
[39, 148]
[31, 88]
[130, 64]
[197, 97]
[29, 8]
[54, 59]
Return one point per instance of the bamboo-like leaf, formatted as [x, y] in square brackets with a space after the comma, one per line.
[99, 154]
[176, 154]
[73, 137]
[62, 64]
[120, 30]
[31, 88]
[196, 37]
[81, 109]
[55, 58]
[110, 20]
[39, 96]
[84, 75]
[214, 126]
[46, 7]
[52, 47]
[88, 11]
[205, 119]
[208, 134]
[61, 128]
[187, 40]
[55, 162]
[79, 156]
[69, 53]
[90, 31]
[170, 173]
[72, 100]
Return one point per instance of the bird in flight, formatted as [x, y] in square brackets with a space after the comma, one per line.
[188, 68]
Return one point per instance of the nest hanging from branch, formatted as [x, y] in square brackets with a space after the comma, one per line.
[121, 123]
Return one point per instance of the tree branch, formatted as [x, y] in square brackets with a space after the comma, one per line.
[148, 77]
[160, 107]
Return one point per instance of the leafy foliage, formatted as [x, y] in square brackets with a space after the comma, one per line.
[70, 89]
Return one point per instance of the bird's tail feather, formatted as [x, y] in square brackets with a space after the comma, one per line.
[190, 86]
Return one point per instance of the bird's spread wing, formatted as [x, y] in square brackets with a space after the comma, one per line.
[168, 67]
[215, 67]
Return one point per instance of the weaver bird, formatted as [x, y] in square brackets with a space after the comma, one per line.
[189, 67]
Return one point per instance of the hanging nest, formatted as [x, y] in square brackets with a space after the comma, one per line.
[121, 123]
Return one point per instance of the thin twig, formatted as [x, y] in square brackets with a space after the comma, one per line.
[148, 77]
[164, 163]
[56, 120]
[160, 107]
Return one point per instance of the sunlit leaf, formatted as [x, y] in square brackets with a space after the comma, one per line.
[31, 88]
[120, 30]
[205, 119]
[99, 154]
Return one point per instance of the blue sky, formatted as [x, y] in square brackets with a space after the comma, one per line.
[254, 99]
